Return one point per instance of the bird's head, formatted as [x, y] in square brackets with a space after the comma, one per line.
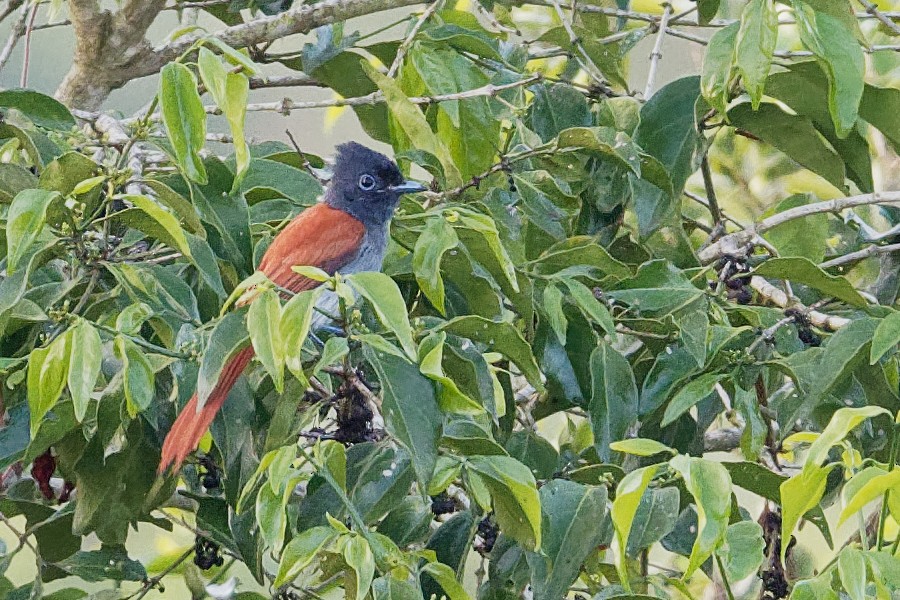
[367, 184]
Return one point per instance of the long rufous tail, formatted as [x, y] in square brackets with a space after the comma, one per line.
[190, 425]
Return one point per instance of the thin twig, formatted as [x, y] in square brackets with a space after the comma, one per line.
[872, 9]
[780, 298]
[867, 252]
[154, 581]
[26, 59]
[656, 55]
[15, 34]
[408, 41]
[584, 59]
[710, 191]
[829, 206]
[304, 161]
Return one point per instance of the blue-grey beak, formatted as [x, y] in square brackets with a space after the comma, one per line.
[408, 187]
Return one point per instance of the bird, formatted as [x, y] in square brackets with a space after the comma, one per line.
[346, 232]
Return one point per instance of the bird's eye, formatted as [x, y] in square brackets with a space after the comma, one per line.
[366, 182]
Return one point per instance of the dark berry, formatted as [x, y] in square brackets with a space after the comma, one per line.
[206, 554]
[744, 296]
[809, 337]
[442, 504]
[487, 532]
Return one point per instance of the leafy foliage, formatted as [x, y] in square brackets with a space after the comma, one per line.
[556, 345]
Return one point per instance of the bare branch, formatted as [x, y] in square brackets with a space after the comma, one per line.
[780, 299]
[829, 206]
[407, 42]
[867, 252]
[15, 34]
[300, 19]
[872, 9]
[657, 50]
[280, 81]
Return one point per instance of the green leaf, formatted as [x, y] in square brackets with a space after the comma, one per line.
[14, 179]
[436, 239]
[604, 141]
[84, 364]
[385, 298]
[689, 395]
[359, 557]
[172, 234]
[656, 517]
[547, 205]
[230, 92]
[446, 578]
[411, 413]
[41, 110]
[263, 324]
[871, 490]
[799, 237]
[715, 81]
[516, 502]
[108, 563]
[667, 133]
[579, 255]
[227, 338]
[625, 506]
[743, 551]
[484, 225]
[500, 337]
[47, 371]
[710, 485]
[139, 378]
[556, 107]
[641, 447]
[794, 135]
[842, 422]
[566, 542]
[804, 88]
[296, 319]
[658, 286]
[754, 46]
[184, 118]
[271, 516]
[842, 59]
[800, 494]
[614, 398]
[707, 10]
[593, 309]
[852, 569]
[466, 40]
[553, 308]
[887, 335]
[451, 398]
[413, 122]
[881, 108]
[24, 223]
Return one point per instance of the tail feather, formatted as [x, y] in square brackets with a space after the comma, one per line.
[193, 421]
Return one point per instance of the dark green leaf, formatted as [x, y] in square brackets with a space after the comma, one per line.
[566, 506]
[794, 135]
[437, 238]
[802, 270]
[614, 399]
[411, 412]
[41, 110]
[227, 338]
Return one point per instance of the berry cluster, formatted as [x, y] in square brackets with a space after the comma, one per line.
[206, 554]
[210, 475]
[804, 327]
[735, 274]
[442, 504]
[487, 536]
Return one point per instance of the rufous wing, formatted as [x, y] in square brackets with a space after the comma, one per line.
[320, 236]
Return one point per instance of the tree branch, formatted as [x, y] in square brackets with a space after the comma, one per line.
[657, 51]
[301, 19]
[867, 252]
